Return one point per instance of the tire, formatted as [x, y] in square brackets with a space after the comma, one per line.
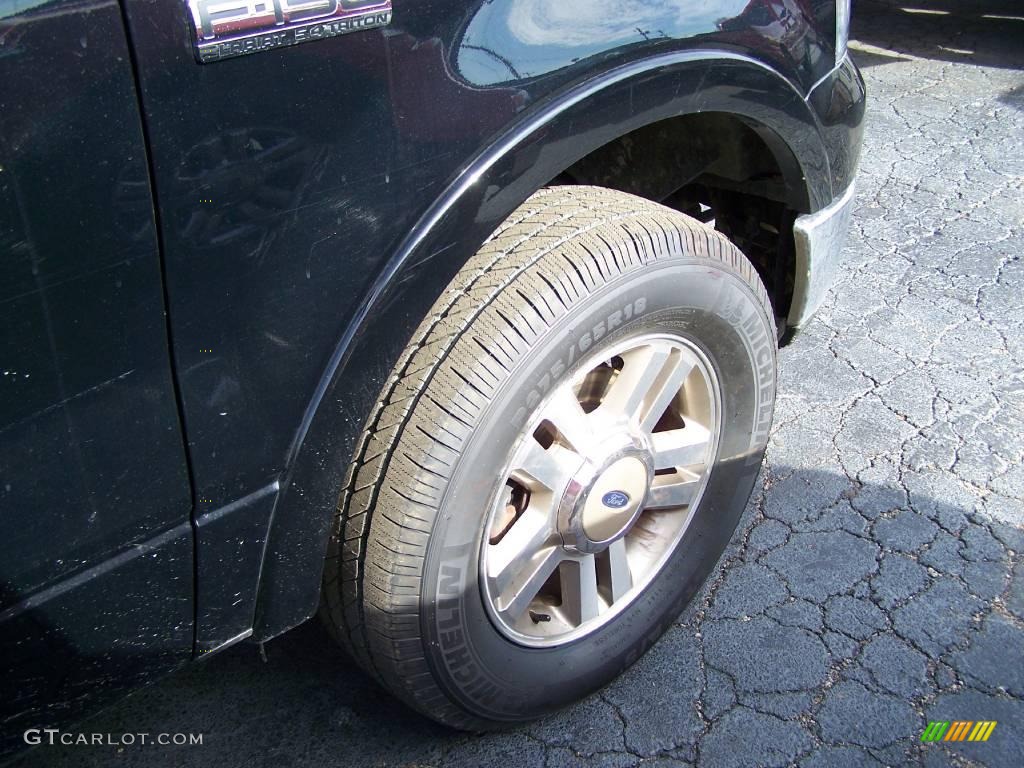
[575, 274]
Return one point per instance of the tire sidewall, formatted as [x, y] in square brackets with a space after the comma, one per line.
[491, 676]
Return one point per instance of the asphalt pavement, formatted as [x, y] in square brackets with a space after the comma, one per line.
[876, 582]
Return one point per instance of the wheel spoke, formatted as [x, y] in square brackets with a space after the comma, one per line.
[565, 412]
[512, 555]
[620, 578]
[512, 604]
[673, 491]
[579, 589]
[639, 373]
[681, 447]
[665, 388]
[542, 466]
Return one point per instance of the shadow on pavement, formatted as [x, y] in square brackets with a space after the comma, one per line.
[986, 33]
[307, 704]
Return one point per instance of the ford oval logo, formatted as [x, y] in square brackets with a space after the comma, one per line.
[615, 499]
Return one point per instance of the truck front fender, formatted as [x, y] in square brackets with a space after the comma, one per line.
[544, 142]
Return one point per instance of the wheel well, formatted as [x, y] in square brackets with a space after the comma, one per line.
[718, 168]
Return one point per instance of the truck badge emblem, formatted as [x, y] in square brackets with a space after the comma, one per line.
[223, 29]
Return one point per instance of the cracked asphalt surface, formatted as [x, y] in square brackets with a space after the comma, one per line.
[877, 579]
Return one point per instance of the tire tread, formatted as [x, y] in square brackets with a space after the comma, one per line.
[552, 252]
